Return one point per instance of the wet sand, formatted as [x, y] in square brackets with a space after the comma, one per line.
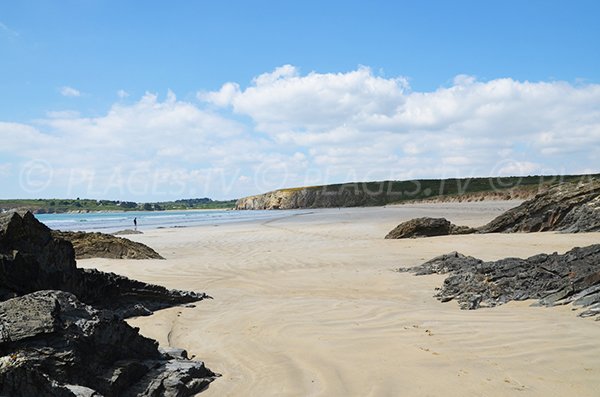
[310, 305]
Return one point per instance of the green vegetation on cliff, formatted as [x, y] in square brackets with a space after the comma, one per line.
[389, 192]
[88, 205]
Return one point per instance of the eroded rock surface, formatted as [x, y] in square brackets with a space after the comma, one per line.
[427, 227]
[52, 344]
[101, 245]
[32, 258]
[568, 207]
[573, 277]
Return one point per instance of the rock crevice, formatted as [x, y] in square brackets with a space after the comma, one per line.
[573, 277]
[567, 208]
[62, 331]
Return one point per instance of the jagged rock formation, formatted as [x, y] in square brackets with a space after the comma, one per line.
[53, 345]
[427, 227]
[569, 207]
[100, 245]
[32, 259]
[573, 277]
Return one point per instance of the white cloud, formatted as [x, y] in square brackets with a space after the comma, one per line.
[69, 91]
[311, 129]
[122, 94]
[283, 100]
[152, 148]
[357, 120]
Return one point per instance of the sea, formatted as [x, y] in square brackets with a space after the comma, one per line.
[109, 222]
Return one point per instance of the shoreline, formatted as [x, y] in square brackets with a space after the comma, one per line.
[311, 305]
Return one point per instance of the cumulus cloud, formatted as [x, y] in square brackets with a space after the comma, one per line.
[122, 94]
[358, 120]
[152, 147]
[69, 91]
[307, 129]
[283, 100]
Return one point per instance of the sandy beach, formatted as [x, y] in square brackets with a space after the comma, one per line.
[310, 305]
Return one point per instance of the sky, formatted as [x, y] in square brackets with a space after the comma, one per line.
[162, 100]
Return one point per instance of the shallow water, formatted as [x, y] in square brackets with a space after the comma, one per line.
[113, 221]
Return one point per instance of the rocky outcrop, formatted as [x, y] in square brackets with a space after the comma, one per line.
[573, 277]
[53, 345]
[126, 232]
[569, 207]
[127, 297]
[100, 245]
[32, 258]
[427, 227]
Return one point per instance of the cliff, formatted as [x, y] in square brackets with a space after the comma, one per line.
[390, 192]
[319, 197]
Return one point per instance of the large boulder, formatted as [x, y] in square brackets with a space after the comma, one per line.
[427, 227]
[568, 207]
[101, 245]
[32, 259]
[53, 345]
[573, 277]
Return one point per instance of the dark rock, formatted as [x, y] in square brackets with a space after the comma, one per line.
[125, 296]
[573, 277]
[32, 259]
[100, 245]
[126, 232]
[568, 207]
[427, 227]
[52, 344]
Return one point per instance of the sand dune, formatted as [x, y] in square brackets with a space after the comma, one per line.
[309, 305]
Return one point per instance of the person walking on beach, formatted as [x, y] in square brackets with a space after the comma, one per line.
[135, 223]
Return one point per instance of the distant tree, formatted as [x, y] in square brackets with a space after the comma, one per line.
[127, 204]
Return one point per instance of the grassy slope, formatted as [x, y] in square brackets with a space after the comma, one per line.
[387, 192]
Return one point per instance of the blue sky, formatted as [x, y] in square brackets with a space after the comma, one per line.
[161, 100]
